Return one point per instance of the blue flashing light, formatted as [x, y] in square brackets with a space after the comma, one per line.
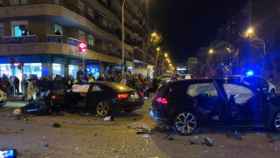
[250, 73]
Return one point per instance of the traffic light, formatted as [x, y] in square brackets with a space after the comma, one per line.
[82, 47]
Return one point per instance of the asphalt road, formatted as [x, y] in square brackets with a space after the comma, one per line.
[92, 137]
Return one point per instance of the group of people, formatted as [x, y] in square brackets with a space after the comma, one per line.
[29, 87]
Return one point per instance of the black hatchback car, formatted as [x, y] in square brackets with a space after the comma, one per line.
[103, 98]
[188, 104]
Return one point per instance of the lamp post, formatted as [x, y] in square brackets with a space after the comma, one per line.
[123, 39]
[250, 33]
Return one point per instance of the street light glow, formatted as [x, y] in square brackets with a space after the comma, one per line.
[250, 31]
[211, 51]
[165, 55]
[155, 38]
[158, 49]
[168, 61]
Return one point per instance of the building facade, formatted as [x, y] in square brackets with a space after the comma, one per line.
[41, 37]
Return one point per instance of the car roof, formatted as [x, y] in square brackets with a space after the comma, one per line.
[115, 86]
[203, 80]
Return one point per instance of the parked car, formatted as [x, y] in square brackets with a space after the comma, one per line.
[103, 98]
[3, 98]
[188, 104]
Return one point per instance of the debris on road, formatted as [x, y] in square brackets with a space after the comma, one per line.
[208, 141]
[109, 118]
[235, 135]
[56, 125]
[17, 113]
[195, 140]
[141, 128]
[146, 136]
[169, 137]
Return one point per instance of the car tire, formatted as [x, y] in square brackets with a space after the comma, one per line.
[186, 123]
[103, 109]
[276, 122]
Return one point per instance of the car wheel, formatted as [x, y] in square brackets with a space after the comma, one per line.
[276, 122]
[103, 109]
[186, 123]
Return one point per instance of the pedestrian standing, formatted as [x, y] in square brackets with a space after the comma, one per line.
[31, 90]
[16, 85]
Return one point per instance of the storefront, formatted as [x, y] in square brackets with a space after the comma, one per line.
[73, 70]
[46, 66]
[94, 70]
[58, 70]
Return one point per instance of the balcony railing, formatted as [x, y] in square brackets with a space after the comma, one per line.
[57, 39]
[23, 39]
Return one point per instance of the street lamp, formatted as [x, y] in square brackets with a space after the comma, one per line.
[123, 40]
[211, 51]
[165, 55]
[250, 32]
[158, 49]
[155, 38]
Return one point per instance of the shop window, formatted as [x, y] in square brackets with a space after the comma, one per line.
[33, 69]
[93, 70]
[73, 70]
[90, 41]
[14, 2]
[18, 2]
[24, 1]
[5, 69]
[58, 69]
[57, 1]
[58, 30]
[81, 5]
[1, 30]
[19, 28]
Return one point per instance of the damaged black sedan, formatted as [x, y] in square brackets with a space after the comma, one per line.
[103, 98]
[188, 104]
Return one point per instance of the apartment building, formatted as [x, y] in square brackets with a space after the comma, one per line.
[41, 37]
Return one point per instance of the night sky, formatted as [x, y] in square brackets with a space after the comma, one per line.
[187, 25]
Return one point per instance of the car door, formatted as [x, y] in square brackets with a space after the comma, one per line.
[245, 105]
[95, 94]
[208, 102]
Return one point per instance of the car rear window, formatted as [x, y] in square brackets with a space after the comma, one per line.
[202, 88]
[162, 91]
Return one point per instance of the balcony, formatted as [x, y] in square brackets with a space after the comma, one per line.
[25, 39]
[53, 45]
[69, 14]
